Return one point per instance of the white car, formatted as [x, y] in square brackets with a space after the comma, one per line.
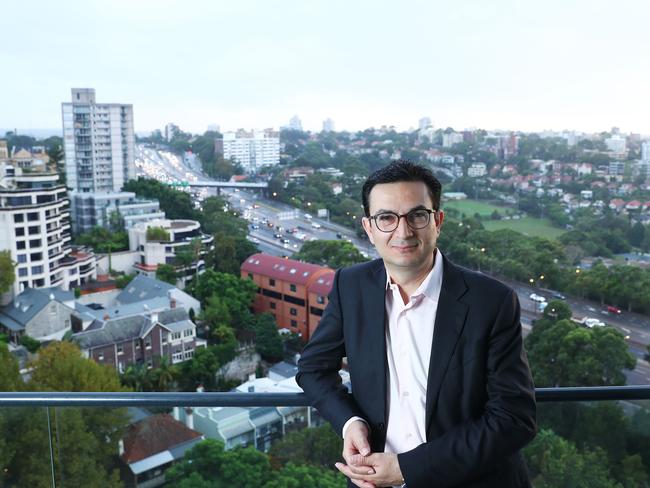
[591, 323]
[537, 298]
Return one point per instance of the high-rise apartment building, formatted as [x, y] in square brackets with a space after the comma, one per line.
[99, 143]
[424, 123]
[295, 123]
[645, 151]
[253, 149]
[35, 229]
[328, 125]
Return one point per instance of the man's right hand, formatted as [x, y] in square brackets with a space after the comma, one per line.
[355, 448]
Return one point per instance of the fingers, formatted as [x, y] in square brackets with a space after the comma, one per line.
[356, 478]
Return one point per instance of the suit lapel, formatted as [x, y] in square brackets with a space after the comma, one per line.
[449, 323]
[375, 315]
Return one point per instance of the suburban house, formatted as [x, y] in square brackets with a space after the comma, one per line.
[151, 445]
[43, 314]
[140, 339]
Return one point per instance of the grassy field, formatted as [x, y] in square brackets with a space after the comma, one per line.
[470, 207]
[528, 225]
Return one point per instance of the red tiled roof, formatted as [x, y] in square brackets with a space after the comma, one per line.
[282, 269]
[155, 434]
[323, 284]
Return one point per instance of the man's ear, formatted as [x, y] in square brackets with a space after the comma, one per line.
[367, 226]
[439, 218]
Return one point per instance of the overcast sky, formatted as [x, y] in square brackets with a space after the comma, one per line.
[493, 64]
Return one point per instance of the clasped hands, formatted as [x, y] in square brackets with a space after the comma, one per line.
[364, 469]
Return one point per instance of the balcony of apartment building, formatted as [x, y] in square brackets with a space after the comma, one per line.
[157, 430]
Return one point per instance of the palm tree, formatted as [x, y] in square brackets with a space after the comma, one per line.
[166, 374]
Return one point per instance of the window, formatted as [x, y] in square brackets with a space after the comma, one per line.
[293, 311]
[22, 272]
[292, 287]
[316, 311]
[100, 356]
[320, 299]
[19, 218]
[32, 216]
[187, 333]
[37, 269]
[36, 256]
[272, 305]
[20, 245]
[137, 345]
[271, 282]
[20, 231]
[294, 323]
[176, 357]
[164, 338]
[147, 343]
[35, 243]
[120, 350]
[22, 258]
[34, 229]
[53, 309]
[176, 336]
[189, 354]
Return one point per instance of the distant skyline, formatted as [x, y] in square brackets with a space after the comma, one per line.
[506, 64]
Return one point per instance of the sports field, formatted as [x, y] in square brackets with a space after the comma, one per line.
[527, 225]
[471, 207]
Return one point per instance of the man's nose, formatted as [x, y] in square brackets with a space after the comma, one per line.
[403, 229]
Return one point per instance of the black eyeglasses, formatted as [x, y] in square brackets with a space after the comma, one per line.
[416, 219]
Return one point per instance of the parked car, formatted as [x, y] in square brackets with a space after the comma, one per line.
[537, 298]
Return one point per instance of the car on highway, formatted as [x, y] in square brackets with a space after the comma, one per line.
[286, 241]
[537, 298]
[308, 216]
[255, 226]
[558, 295]
[277, 236]
[591, 322]
[613, 309]
[316, 225]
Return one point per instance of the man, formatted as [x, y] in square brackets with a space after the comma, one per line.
[442, 395]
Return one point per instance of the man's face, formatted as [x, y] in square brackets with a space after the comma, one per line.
[404, 247]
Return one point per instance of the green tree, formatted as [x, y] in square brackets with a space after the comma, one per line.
[319, 446]
[167, 273]
[306, 476]
[157, 234]
[335, 254]
[555, 462]
[208, 461]
[176, 204]
[85, 440]
[31, 344]
[103, 240]
[267, 339]
[561, 353]
[7, 274]
[10, 379]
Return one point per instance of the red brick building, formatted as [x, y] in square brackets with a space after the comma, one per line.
[294, 292]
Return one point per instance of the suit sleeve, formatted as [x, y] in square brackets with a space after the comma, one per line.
[319, 365]
[476, 447]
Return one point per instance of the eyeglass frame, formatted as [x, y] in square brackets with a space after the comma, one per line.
[399, 218]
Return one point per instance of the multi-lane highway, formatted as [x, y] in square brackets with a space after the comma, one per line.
[281, 230]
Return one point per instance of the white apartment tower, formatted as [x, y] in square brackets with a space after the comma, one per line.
[99, 143]
[253, 149]
[35, 229]
[328, 125]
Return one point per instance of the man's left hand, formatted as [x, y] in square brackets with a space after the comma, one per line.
[386, 466]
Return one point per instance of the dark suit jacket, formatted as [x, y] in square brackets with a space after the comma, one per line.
[480, 404]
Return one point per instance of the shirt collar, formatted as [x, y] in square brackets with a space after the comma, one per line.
[431, 285]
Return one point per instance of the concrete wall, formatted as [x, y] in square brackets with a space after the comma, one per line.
[53, 319]
[120, 261]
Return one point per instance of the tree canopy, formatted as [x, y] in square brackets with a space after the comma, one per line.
[334, 254]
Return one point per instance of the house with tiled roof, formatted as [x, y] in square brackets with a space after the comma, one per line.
[140, 339]
[151, 446]
[284, 290]
[43, 314]
[616, 204]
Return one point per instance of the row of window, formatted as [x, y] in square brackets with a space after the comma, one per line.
[31, 216]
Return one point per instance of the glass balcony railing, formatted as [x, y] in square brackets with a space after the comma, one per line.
[587, 437]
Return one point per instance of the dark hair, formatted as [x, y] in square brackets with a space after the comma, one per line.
[401, 170]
